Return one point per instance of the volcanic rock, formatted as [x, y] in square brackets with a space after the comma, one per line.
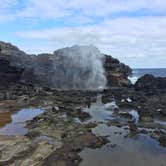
[60, 69]
[151, 84]
[116, 72]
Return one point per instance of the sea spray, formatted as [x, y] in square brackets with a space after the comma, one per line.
[77, 67]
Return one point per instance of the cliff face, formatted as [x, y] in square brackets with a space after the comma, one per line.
[15, 65]
[8, 74]
[56, 70]
[116, 72]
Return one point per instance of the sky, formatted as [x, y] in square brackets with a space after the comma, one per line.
[133, 31]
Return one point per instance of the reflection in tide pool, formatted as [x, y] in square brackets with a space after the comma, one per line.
[140, 150]
[15, 125]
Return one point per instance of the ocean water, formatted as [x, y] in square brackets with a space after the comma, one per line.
[137, 73]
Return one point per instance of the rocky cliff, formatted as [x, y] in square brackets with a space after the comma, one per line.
[14, 64]
[50, 70]
[151, 84]
[116, 72]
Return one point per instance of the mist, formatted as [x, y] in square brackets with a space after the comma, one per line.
[77, 67]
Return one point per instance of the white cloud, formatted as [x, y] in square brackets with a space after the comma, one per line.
[137, 38]
[131, 38]
[7, 4]
[53, 9]
[5, 10]
[43, 9]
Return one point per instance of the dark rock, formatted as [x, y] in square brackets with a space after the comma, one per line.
[9, 74]
[162, 140]
[32, 134]
[145, 116]
[55, 70]
[67, 155]
[116, 73]
[133, 128]
[151, 84]
[126, 115]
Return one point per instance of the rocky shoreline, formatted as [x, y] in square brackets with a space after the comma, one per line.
[58, 135]
[64, 129]
[54, 133]
[56, 70]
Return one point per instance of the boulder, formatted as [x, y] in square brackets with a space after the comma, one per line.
[116, 72]
[151, 84]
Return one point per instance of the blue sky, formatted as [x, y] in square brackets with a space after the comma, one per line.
[133, 31]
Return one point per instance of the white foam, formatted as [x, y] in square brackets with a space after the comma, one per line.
[129, 100]
[135, 115]
[123, 100]
[133, 79]
[111, 106]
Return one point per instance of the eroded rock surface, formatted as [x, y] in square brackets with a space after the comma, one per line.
[55, 137]
[58, 135]
[151, 84]
[68, 68]
[116, 72]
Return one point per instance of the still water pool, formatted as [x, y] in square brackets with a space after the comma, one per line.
[14, 124]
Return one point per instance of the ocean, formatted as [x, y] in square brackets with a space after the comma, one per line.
[137, 73]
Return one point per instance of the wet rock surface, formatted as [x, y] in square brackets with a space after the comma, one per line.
[75, 120]
[151, 84]
[128, 133]
[54, 137]
[65, 129]
[150, 108]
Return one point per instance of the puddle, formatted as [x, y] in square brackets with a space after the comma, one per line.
[139, 150]
[99, 113]
[14, 124]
